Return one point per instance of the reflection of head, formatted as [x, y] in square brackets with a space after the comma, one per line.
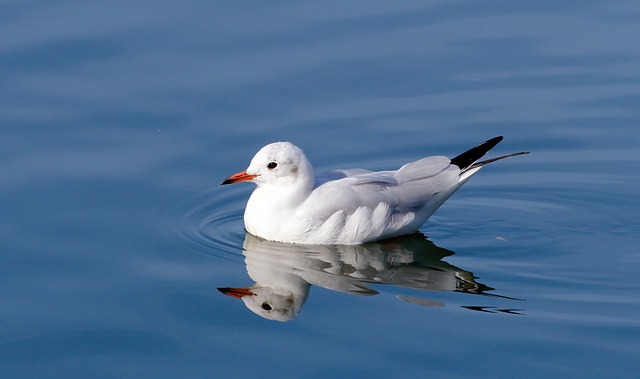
[278, 304]
[273, 305]
[283, 273]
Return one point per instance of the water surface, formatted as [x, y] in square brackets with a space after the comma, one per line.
[119, 120]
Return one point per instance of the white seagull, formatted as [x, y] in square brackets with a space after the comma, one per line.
[348, 206]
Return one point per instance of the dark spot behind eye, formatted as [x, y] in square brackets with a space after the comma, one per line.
[266, 306]
[272, 165]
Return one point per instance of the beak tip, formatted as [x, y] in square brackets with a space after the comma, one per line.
[236, 292]
[242, 176]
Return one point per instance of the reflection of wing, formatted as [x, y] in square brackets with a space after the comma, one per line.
[411, 261]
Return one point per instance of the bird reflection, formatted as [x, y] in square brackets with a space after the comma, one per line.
[284, 273]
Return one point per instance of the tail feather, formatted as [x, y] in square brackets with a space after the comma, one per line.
[482, 163]
[469, 159]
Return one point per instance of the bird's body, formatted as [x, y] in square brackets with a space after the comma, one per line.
[353, 206]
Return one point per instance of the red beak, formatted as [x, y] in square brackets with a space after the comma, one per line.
[238, 293]
[242, 176]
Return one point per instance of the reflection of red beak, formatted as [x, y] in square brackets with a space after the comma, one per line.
[242, 176]
[238, 293]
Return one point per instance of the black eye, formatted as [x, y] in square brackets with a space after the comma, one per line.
[266, 306]
[272, 165]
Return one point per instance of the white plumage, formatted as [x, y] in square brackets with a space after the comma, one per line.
[348, 206]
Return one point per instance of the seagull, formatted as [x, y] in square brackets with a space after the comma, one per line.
[348, 207]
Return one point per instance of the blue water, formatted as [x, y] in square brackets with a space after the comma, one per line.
[119, 119]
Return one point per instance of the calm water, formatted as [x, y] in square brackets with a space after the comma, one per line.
[119, 120]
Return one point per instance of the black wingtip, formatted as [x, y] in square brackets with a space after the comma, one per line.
[470, 156]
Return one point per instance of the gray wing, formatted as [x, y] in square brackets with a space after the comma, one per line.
[405, 190]
[356, 176]
[422, 180]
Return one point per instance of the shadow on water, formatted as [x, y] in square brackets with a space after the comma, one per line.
[284, 273]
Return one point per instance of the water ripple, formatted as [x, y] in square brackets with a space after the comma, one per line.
[208, 221]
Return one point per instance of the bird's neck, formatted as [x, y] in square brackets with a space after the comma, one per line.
[284, 196]
[271, 208]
